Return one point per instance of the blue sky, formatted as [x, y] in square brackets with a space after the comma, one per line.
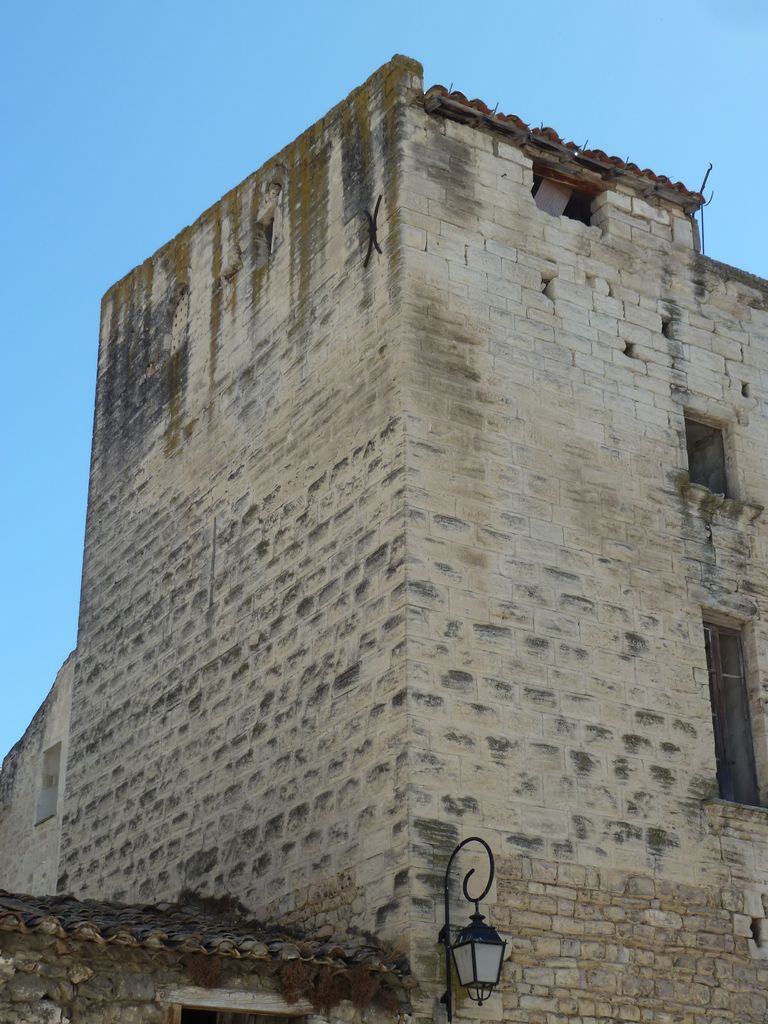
[122, 122]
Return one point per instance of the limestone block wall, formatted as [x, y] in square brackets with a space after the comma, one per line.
[239, 690]
[380, 557]
[29, 844]
[46, 979]
[559, 566]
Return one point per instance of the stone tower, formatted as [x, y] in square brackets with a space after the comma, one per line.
[385, 549]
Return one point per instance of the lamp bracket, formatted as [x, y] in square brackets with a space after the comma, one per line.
[445, 932]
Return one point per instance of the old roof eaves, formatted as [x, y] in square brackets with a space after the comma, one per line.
[180, 930]
[475, 113]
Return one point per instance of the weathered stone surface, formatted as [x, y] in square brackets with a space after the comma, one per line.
[378, 558]
[29, 850]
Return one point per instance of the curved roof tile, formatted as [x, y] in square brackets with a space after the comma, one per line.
[181, 928]
[550, 135]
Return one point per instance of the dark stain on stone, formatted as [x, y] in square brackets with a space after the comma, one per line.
[451, 523]
[200, 863]
[685, 727]
[384, 911]
[460, 806]
[621, 831]
[560, 574]
[377, 558]
[543, 697]
[583, 827]
[429, 700]
[577, 603]
[487, 631]
[582, 762]
[532, 844]
[345, 680]
[634, 743]
[598, 733]
[649, 718]
[455, 679]
[637, 644]
[423, 589]
[662, 775]
[273, 826]
[298, 815]
[438, 834]
[461, 739]
[501, 745]
[660, 841]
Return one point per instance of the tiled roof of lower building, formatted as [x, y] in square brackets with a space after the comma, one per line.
[183, 928]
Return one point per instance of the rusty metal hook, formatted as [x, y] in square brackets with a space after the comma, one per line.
[373, 241]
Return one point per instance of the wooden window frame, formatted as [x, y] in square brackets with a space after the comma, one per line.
[724, 755]
[262, 1003]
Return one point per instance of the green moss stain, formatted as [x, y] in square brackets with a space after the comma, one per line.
[174, 385]
[440, 835]
[178, 254]
[703, 787]
[394, 119]
[308, 215]
[259, 272]
[147, 272]
[582, 762]
[216, 297]
[660, 841]
[233, 216]
[662, 775]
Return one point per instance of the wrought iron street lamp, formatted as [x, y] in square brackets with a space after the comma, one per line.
[478, 951]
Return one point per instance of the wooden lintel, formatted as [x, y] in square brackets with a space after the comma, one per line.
[261, 1001]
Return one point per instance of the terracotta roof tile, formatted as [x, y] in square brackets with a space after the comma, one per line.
[181, 928]
[549, 137]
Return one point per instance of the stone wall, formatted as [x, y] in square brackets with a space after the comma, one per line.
[45, 980]
[239, 691]
[559, 566]
[381, 557]
[29, 847]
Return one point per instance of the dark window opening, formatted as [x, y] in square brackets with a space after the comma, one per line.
[706, 456]
[756, 927]
[559, 199]
[629, 350]
[734, 751]
[48, 793]
[262, 242]
[193, 1016]
[745, 389]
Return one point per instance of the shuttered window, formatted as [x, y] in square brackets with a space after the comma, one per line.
[730, 715]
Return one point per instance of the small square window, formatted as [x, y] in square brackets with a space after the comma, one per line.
[706, 456]
[561, 199]
[734, 747]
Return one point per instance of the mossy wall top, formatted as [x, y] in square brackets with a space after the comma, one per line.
[244, 545]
